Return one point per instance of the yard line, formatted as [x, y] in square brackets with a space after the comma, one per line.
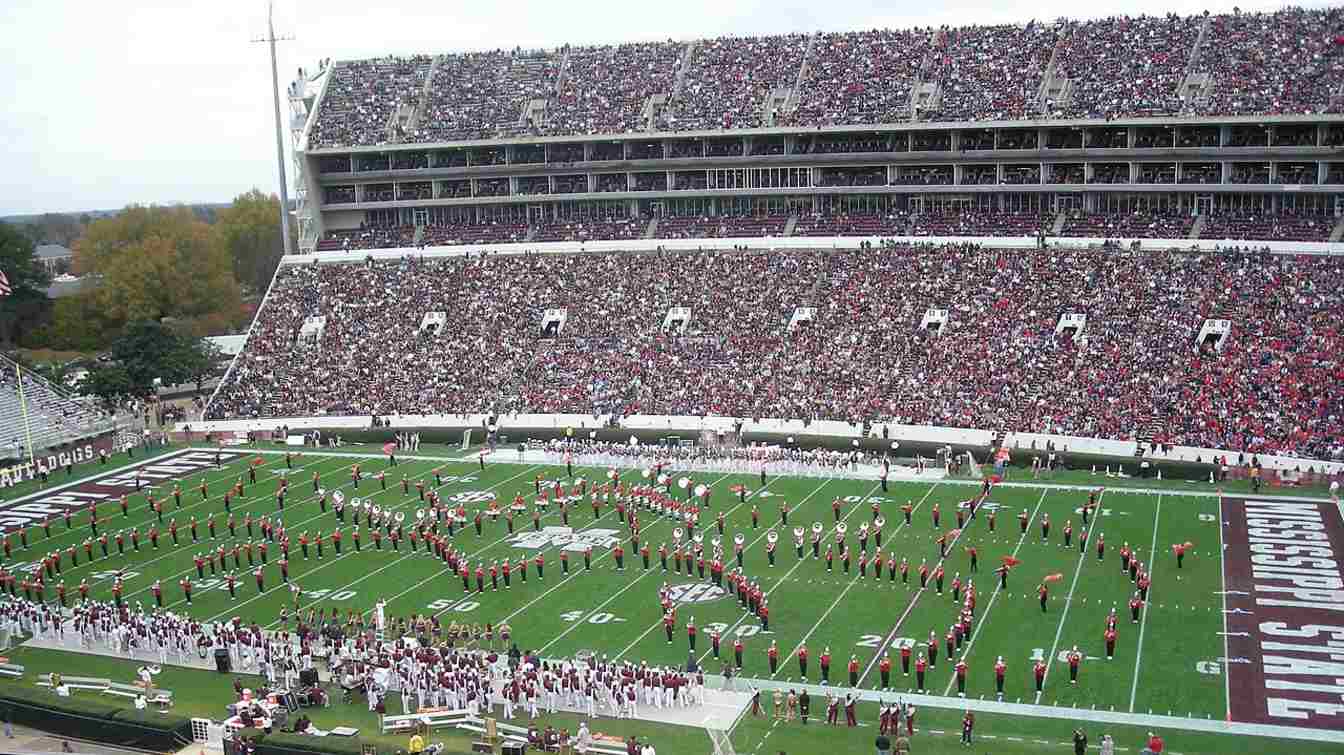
[1138, 656]
[851, 584]
[468, 597]
[582, 620]
[179, 549]
[645, 572]
[174, 550]
[914, 600]
[479, 551]
[1051, 659]
[409, 554]
[1222, 573]
[984, 618]
[757, 539]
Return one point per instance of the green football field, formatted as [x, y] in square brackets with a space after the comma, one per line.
[1166, 663]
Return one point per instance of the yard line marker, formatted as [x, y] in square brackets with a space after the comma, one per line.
[1138, 656]
[178, 550]
[155, 488]
[984, 619]
[1052, 659]
[757, 539]
[306, 499]
[1222, 574]
[914, 600]
[607, 602]
[389, 564]
[233, 608]
[851, 584]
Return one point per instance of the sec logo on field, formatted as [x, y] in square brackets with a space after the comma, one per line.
[696, 592]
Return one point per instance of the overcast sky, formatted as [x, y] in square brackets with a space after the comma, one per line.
[170, 102]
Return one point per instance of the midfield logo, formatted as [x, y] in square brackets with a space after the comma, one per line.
[696, 592]
[566, 538]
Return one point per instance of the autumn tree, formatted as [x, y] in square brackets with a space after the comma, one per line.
[157, 262]
[251, 230]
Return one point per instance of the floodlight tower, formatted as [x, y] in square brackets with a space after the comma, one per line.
[271, 39]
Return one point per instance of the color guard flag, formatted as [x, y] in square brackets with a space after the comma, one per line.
[5, 288]
[389, 447]
[1053, 577]
[1010, 561]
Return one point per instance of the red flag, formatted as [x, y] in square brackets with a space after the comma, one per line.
[1054, 577]
[1010, 561]
[737, 488]
[258, 461]
[389, 447]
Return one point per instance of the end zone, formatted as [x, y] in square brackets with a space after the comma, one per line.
[1284, 607]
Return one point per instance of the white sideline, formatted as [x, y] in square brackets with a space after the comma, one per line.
[1030, 710]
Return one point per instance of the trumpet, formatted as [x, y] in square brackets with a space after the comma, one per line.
[841, 529]
[879, 522]
[772, 537]
[739, 538]
[677, 535]
[817, 528]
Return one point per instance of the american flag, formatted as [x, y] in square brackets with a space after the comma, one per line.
[5, 288]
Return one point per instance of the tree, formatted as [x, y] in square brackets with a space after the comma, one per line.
[111, 383]
[158, 262]
[251, 229]
[148, 350]
[23, 307]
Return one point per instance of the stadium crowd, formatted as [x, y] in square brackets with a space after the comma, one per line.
[1268, 226]
[998, 363]
[1283, 62]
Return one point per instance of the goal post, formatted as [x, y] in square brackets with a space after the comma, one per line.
[466, 439]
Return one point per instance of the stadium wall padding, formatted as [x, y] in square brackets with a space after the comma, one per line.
[85, 717]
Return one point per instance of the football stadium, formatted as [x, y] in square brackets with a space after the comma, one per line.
[910, 390]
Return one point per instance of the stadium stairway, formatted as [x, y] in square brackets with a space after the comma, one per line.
[1338, 232]
[1197, 227]
[1060, 219]
[790, 225]
[652, 229]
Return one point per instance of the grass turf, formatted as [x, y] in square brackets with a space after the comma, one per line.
[617, 613]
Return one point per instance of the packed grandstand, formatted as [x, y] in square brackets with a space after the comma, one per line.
[1199, 128]
[1001, 361]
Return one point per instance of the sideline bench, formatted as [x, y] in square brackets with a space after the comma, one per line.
[78, 682]
[428, 717]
